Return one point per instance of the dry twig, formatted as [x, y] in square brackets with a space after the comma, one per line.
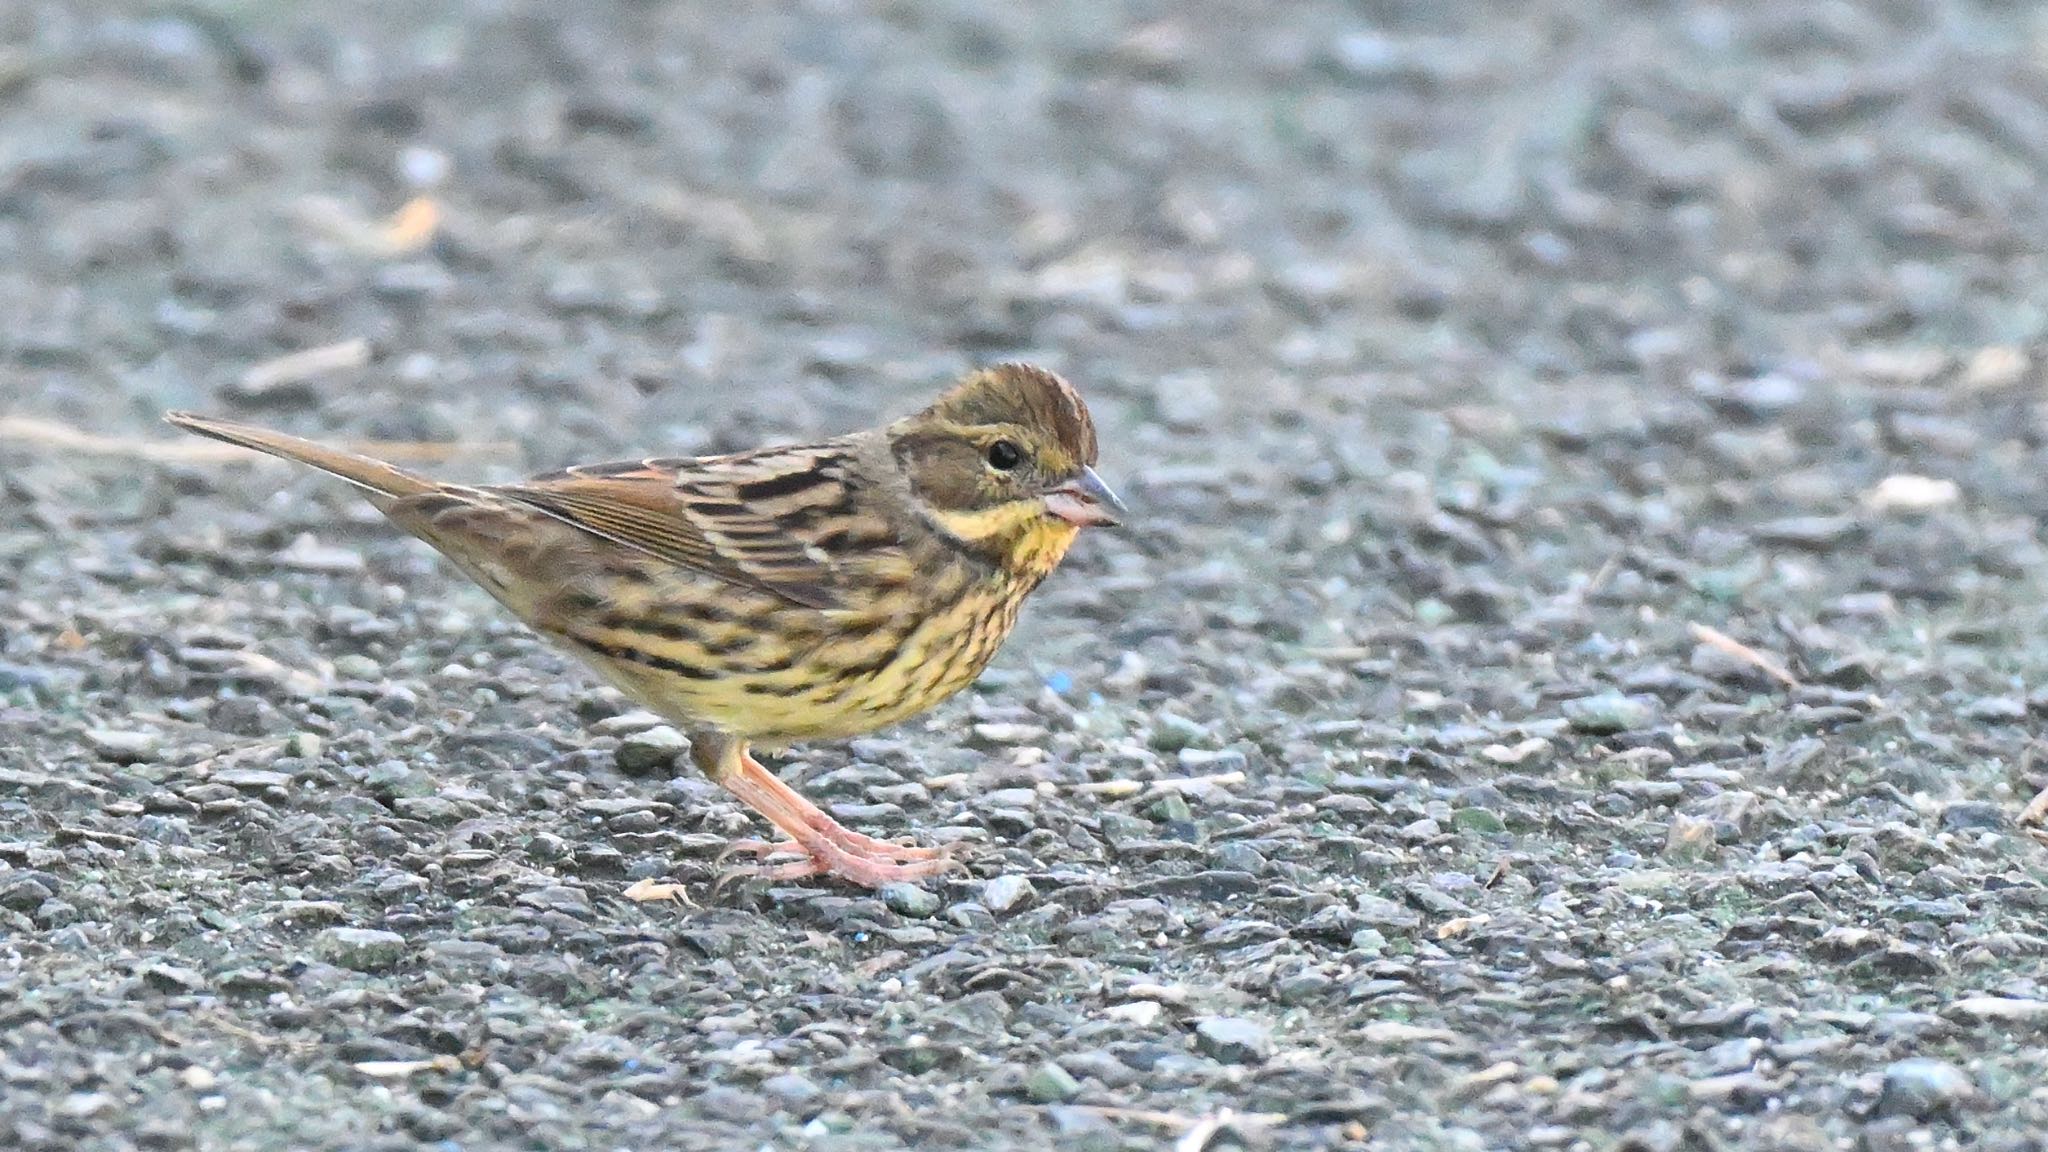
[1728, 645]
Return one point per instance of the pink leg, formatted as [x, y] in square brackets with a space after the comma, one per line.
[826, 847]
[822, 822]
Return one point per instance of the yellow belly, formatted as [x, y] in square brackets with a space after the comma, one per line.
[844, 675]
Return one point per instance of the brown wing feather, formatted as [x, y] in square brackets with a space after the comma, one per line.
[750, 519]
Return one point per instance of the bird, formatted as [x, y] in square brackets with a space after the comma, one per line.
[795, 593]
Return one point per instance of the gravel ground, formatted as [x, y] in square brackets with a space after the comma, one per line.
[1571, 684]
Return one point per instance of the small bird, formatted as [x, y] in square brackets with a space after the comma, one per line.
[807, 592]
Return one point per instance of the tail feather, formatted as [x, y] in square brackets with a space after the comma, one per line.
[364, 472]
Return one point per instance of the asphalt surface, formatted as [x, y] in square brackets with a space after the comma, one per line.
[1571, 682]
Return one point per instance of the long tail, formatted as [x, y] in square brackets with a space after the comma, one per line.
[374, 475]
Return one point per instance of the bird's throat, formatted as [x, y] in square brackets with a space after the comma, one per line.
[1018, 537]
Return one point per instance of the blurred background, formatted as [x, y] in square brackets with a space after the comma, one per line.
[1587, 461]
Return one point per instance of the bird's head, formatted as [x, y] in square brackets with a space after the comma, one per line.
[1004, 463]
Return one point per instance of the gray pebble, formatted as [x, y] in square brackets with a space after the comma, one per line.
[363, 949]
[790, 1088]
[1007, 892]
[1973, 816]
[1923, 1088]
[1172, 732]
[1815, 533]
[1050, 1084]
[124, 747]
[651, 750]
[1609, 712]
[356, 666]
[25, 893]
[1234, 1039]
[1187, 400]
[909, 899]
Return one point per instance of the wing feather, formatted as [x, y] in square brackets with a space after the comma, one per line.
[753, 519]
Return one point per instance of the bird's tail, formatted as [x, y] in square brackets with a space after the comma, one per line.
[374, 475]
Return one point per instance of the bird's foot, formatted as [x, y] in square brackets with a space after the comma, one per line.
[888, 864]
[846, 839]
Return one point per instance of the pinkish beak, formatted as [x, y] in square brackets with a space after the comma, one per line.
[1085, 500]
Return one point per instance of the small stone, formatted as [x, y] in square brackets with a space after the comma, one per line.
[996, 734]
[356, 666]
[1689, 838]
[1143, 1013]
[26, 893]
[1995, 366]
[1924, 1088]
[1997, 709]
[1905, 492]
[1007, 892]
[363, 949]
[1973, 816]
[651, 750]
[1390, 1032]
[244, 716]
[626, 723]
[1380, 912]
[173, 979]
[124, 747]
[2002, 1010]
[1234, 1040]
[1421, 831]
[1187, 401]
[1237, 856]
[1608, 713]
[83, 1105]
[1172, 808]
[558, 898]
[790, 1088]
[1022, 799]
[1172, 732]
[393, 779]
[251, 779]
[1477, 820]
[1814, 533]
[909, 900]
[1050, 1084]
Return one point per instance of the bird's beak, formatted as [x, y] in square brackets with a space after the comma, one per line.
[1085, 500]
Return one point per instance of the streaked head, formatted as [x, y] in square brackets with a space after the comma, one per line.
[1004, 462]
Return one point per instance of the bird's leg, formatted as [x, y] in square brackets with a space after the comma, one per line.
[831, 829]
[829, 848]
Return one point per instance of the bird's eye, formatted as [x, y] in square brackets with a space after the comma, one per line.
[1003, 455]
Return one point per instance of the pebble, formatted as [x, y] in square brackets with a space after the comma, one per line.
[1172, 732]
[1689, 838]
[1609, 713]
[1007, 892]
[26, 893]
[363, 949]
[1051, 1084]
[2002, 1009]
[356, 666]
[1233, 1039]
[122, 746]
[1188, 401]
[909, 899]
[1477, 820]
[1380, 912]
[1814, 533]
[791, 1088]
[651, 750]
[1923, 1088]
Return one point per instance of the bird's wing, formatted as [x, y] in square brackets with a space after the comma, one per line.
[775, 519]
